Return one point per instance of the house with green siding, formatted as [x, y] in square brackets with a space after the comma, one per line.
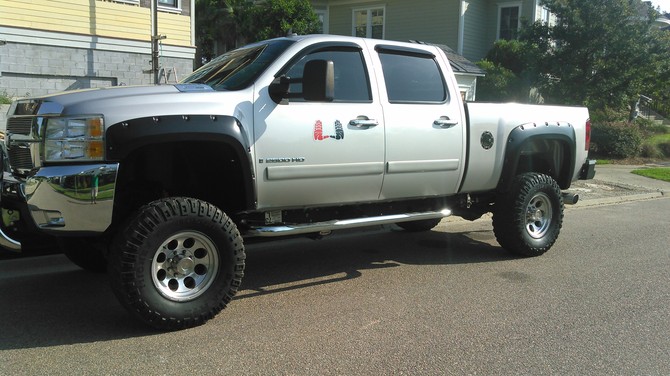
[468, 27]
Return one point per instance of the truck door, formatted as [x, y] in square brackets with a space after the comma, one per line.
[312, 153]
[424, 124]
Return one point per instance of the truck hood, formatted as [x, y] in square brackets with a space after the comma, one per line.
[121, 103]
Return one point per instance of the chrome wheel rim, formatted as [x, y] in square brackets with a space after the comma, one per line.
[185, 265]
[538, 215]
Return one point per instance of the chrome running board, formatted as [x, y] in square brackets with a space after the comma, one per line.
[328, 226]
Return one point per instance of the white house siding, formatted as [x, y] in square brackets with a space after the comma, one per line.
[476, 41]
[467, 85]
[429, 21]
[480, 23]
[432, 21]
[435, 21]
[339, 18]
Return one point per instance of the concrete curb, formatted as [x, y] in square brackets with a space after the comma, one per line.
[586, 203]
[618, 199]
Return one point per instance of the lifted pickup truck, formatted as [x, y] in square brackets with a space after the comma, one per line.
[292, 136]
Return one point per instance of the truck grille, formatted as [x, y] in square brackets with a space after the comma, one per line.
[20, 125]
[20, 156]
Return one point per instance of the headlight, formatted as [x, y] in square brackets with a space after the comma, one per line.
[74, 138]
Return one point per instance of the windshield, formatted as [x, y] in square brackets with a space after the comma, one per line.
[238, 68]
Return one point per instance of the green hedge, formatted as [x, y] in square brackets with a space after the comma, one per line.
[616, 140]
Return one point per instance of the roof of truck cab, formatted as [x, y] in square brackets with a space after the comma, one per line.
[458, 62]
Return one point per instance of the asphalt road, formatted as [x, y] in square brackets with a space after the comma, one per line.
[380, 303]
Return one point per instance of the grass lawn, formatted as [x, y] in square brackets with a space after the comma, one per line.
[660, 173]
[660, 138]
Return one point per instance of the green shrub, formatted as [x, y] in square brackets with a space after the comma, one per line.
[651, 150]
[607, 115]
[665, 149]
[655, 129]
[616, 140]
[499, 85]
[4, 98]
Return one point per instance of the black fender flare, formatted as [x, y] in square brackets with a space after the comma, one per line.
[127, 136]
[535, 138]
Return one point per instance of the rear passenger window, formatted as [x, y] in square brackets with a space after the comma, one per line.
[351, 78]
[412, 78]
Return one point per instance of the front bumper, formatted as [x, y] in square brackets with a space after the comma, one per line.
[57, 199]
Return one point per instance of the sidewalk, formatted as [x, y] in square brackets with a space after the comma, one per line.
[616, 183]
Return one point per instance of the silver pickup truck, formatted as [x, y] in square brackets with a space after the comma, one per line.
[159, 185]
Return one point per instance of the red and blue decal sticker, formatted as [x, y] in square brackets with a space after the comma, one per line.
[318, 131]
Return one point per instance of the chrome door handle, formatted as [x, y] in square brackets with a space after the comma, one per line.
[363, 121]
[445, 122]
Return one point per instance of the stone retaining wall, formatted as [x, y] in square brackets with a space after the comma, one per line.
[33, 70]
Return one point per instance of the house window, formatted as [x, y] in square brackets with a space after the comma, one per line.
[169, 3]
[508, 21]
[545, 15]
[322, 16]
[369, 23]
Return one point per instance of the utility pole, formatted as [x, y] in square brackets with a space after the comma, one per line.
[155, 38]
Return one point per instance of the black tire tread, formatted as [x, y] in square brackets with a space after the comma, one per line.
[509, 214]
[125, 255]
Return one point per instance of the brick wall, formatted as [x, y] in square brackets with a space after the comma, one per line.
[32, 70]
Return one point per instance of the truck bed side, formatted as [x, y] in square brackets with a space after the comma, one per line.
[493, 123]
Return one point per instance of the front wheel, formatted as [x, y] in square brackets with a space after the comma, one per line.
[528, 218]
[178, 263]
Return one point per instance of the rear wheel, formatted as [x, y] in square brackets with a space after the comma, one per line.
[178, 263]
[528, 218]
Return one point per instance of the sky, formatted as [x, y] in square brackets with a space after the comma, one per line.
[664, 4]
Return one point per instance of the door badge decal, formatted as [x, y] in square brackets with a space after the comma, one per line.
[318, 131]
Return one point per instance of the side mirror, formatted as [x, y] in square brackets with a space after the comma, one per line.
[278, 89]
[318, 81]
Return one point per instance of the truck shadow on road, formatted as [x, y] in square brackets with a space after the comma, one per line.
[300, 263]
[47, 302]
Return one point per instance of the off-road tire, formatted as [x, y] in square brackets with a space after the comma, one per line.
[420, 225]
[177, 263]
[84, 254]
[528, 218]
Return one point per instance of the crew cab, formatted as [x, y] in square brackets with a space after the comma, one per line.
[162, 186]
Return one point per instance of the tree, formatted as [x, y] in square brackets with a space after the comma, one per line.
[225, 24]
[276, 18]
[509, 76]
[216, 27]
[600, 53]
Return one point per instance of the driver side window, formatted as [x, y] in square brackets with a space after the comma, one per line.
[351, 78]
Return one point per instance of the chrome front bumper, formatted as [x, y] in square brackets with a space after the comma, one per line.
[75, 198]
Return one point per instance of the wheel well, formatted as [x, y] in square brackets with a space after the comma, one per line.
[209, 171]
[547, 156]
